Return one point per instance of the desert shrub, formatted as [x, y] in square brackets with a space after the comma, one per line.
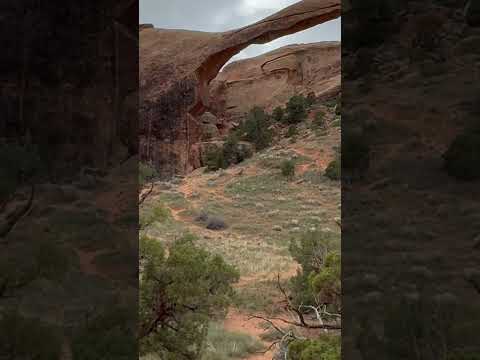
[215, 160]
[292, 131]
[146, 173]
[324, 348]
[215, 223]
[462, 158]
[288, 168]
[296, 109]
[193, 284]
[256, 128]
[232, 152]
[334, 169]
[278, 114]
[202, 216]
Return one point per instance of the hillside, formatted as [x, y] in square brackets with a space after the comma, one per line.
[262, 211]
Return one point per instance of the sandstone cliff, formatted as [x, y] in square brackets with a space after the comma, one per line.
[176, 67]
[271, 79]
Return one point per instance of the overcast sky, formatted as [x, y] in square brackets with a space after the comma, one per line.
[222, 15]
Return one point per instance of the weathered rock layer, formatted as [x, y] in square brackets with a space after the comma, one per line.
[271, 79]
[177, 66]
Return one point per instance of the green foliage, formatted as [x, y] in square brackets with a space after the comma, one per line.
[146, 173]
[296, 109]
[232, 152]
[181, 289]
[256, 128]
[278, 114]
[216, 160]
[292, 131]
[334, 169]
[109, 336]
[318, 282]
[326, 283]
[288, 168]
[324, 348]
[463, 156]
[25, 338]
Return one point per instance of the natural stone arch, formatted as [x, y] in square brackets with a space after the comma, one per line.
[176, 67]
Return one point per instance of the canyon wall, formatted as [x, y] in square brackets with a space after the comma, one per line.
[271, 79]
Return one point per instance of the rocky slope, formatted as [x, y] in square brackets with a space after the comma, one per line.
[174, 84]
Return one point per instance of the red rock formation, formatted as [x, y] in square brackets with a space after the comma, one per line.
[176, 67]
[271, 79]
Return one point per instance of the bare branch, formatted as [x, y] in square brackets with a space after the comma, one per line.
[146, 195]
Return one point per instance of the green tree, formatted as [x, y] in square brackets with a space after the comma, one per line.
[256, 128]
[316, 252]
[181, 289]
[297, 109]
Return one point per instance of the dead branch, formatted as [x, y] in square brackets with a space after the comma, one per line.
[146, 195]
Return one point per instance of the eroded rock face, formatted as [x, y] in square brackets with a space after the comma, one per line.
[271, 79]
[177, 66]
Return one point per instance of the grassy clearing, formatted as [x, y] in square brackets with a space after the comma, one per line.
[225, 345]
[259, 297]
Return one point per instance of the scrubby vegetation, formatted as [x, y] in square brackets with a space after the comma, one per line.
[288, 168]
[261, 212]
[256, 129]
[296, 109]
